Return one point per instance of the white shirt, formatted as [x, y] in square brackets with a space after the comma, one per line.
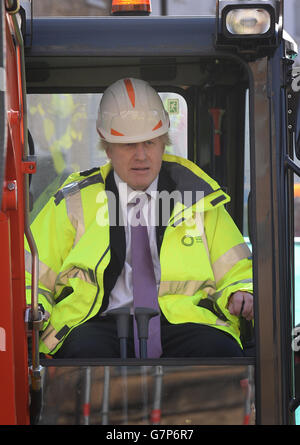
[122, 293]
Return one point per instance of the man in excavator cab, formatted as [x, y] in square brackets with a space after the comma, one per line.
[142, 245]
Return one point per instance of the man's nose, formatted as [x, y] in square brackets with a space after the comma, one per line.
[140, 152]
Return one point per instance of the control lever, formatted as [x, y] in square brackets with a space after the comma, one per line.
[122, 317]
[142, 316]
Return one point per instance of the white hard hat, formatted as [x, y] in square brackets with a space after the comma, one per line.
[131, 111]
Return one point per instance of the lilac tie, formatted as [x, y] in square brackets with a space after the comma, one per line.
[144, 285]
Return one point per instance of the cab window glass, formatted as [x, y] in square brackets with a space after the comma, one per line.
[63, 130]
[246, 203]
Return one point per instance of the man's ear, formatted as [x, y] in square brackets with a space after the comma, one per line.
[104, 145]
[107, 151]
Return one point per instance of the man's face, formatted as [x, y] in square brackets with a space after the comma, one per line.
[138, 163]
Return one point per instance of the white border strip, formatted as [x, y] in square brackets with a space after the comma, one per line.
[2, 79]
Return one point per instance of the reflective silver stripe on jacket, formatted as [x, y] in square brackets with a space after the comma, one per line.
[74, 272]
[47, 276]
[48, 295]
[226, 261]
[75, 186]
[218, 294]
[75, 214]
[188, 288]
[54, 282]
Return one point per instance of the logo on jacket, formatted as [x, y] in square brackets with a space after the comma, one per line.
[188, 240]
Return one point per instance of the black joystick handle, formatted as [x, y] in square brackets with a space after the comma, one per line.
[143, 316]
[122, 317]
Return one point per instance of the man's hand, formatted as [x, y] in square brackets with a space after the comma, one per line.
[241, 304]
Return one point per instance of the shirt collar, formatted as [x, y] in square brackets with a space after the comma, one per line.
[129, 195]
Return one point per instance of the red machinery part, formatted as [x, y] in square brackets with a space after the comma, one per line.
[14, 387]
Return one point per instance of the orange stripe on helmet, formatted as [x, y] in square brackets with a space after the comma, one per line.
[157, 126]
[130, 91]
[115, 133]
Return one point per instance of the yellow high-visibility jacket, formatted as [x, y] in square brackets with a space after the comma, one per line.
[203, 256]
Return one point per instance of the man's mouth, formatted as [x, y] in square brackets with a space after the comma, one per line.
[140, 169]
